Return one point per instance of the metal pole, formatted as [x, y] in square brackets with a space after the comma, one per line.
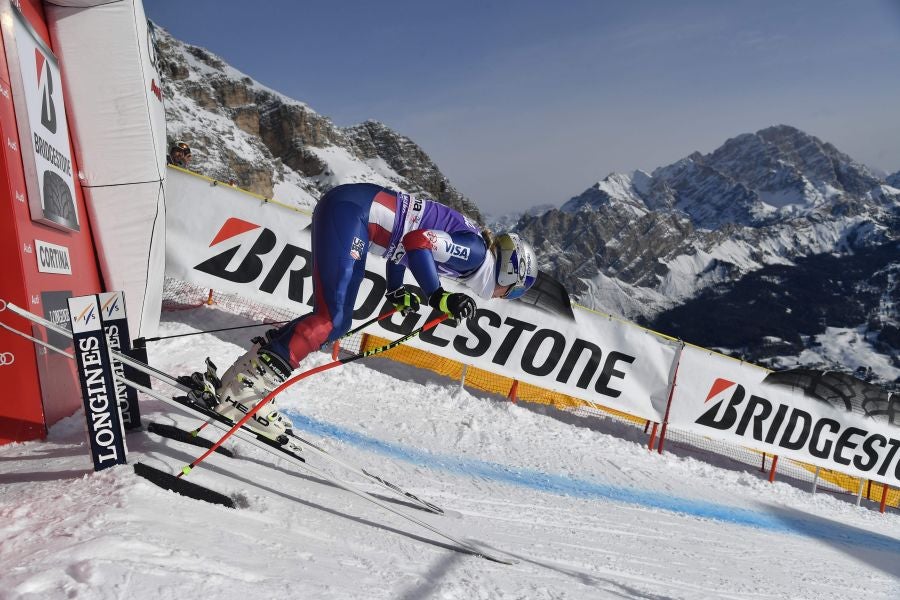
[816, 480]
[462, 380]
[859, 493]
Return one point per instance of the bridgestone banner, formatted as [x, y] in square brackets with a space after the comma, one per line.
[726, 399]
[223, 239]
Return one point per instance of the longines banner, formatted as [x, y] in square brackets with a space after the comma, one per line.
[221, 238]
[41, 120]
[723, 398]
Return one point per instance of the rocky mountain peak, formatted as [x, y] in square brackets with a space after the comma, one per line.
[785, 165]
[374, 140]
[615, 189]
[635, 244]
[278, 147]
[893, 180]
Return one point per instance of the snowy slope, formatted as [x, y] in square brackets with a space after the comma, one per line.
[586, 514]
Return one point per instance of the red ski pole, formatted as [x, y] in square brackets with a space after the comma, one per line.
[434, 322]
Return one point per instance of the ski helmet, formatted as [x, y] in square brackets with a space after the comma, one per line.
[516, 264]
[180, 147]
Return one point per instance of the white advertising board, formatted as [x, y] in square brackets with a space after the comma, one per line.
[220, 238]
[726, 399]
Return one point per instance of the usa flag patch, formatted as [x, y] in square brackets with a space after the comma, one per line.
[357, 248]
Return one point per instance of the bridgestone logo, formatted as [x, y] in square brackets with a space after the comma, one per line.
[52, 155]
[546, 353]
[795, 429]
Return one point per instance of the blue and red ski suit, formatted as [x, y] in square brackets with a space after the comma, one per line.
[351, 220]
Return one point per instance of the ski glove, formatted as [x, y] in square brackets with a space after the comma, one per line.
[458, 306]
[404, 300]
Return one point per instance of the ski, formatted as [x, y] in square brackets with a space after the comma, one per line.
[211, 371]
[258, 440]
[185, 437]
[174, 382]
[183, 488]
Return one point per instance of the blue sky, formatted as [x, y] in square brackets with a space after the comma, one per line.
[530, 102]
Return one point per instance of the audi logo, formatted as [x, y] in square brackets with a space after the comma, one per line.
[7, 358]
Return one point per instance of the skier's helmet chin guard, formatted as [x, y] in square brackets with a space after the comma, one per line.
[516, 265]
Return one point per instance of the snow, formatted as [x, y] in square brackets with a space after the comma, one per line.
[849, 348]
[581, 506]
[689, 273]
[346, 168]
[292, 193]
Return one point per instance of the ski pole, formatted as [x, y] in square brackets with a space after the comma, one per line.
[380, 317]
[342, 361]
[349, 333]
[369, 322]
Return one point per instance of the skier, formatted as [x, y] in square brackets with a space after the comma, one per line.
[425, 236]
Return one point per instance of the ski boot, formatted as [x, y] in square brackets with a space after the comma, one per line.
[242, 386]
[247, 382]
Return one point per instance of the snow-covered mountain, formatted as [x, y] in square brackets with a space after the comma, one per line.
[893, 180]
[279, 147]
[635, 244]
[642, 244]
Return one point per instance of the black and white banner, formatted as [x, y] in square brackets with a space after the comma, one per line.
[221, 238]
[726, 399]
[115, 325]
[98, 389]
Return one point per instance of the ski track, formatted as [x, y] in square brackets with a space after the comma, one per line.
[585, 514]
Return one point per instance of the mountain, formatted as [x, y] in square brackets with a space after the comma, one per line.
[824, 311]
[893, 180]
[278, 147]
[638, 244]
[720, 249]
[508, 221]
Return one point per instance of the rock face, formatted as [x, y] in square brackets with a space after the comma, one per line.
[637, 244]
[894, 180]
[272, 145]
